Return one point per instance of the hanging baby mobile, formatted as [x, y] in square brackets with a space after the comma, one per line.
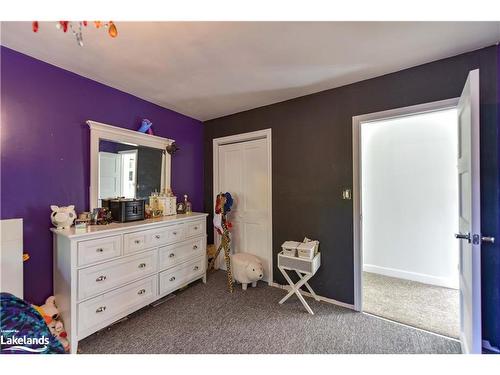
[223, 206]
[76, 28]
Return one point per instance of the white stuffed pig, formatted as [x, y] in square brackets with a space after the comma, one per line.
[247, 268]
[62, 217]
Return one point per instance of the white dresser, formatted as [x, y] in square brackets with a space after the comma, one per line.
[109, 271]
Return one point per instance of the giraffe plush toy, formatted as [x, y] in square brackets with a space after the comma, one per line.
[223, 205]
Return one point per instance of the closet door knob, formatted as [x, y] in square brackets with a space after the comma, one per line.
[157, 236]
[101, 309]
[195, 247]
[171, 255]
[137, 241]
[101, 278]
[196, 268]
[142, 265]
[99, 249]
[142, 291]
[172, 278]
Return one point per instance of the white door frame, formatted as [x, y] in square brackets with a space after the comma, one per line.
[136, 152]
[357, 122]
[238, 138]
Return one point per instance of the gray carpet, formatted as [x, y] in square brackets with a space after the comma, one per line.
[433, 308]
[207, 319]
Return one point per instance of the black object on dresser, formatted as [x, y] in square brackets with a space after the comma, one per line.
[124, 210]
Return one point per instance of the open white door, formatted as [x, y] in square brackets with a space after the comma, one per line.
[469, 215]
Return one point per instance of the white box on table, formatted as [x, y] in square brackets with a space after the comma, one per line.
[290, 248]
[307, 250]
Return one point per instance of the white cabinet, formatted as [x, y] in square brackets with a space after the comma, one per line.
[110, 271]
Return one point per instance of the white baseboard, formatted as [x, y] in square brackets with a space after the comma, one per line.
[321, 298]
[413, 276]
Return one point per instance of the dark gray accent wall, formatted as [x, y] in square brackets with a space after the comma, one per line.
[312, 163]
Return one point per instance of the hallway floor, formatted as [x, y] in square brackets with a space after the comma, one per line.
[429, 307]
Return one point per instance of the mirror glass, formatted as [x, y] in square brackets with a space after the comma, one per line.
[129, 171]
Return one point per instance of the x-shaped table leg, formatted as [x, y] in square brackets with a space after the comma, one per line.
[296, 288]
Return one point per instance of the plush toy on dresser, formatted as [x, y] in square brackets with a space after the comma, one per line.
[247, 268]
[62, 217]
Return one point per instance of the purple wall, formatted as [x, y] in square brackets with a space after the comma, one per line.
[45, 149]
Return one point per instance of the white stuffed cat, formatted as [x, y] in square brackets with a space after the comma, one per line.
[62, 217]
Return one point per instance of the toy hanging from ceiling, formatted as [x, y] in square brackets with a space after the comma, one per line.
[223, 204]
[76, 28]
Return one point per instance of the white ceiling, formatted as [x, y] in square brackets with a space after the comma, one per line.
[211, 69]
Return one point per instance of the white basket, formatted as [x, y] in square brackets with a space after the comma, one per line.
[290, 248]
[303, 265]
[307, 250]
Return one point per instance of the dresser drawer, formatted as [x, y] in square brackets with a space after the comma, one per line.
[176, 277]
[196, 228]
[93, 251]
[180, 252]
[103, 310]
[176, 233]
[99, 278]
[134, 242]
[153, 237]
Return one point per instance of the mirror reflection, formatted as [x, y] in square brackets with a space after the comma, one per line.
[129, 171]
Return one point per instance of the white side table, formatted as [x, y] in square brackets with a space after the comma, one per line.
[305, 269]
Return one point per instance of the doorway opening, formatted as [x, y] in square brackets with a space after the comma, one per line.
[409, 200]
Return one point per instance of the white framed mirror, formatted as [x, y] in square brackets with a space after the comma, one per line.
[126, 163]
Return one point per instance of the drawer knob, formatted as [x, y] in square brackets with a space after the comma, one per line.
[142, 291]
[172, 278]
[174, 233]
[137, 241]
[196, 268]
[142, 265]
[171, 255]
[101, 278]
[157, 236]
[99, 249]
[101, 309]
[195, 247]
[195, 228]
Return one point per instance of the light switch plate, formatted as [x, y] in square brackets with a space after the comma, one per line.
[346, 194]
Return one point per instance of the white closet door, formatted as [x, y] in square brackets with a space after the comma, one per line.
[243, 172]
[109, 175]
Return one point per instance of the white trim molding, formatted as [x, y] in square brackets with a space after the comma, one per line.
[244, 137]
[445, 282]
[357, 122]
[106, 132]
